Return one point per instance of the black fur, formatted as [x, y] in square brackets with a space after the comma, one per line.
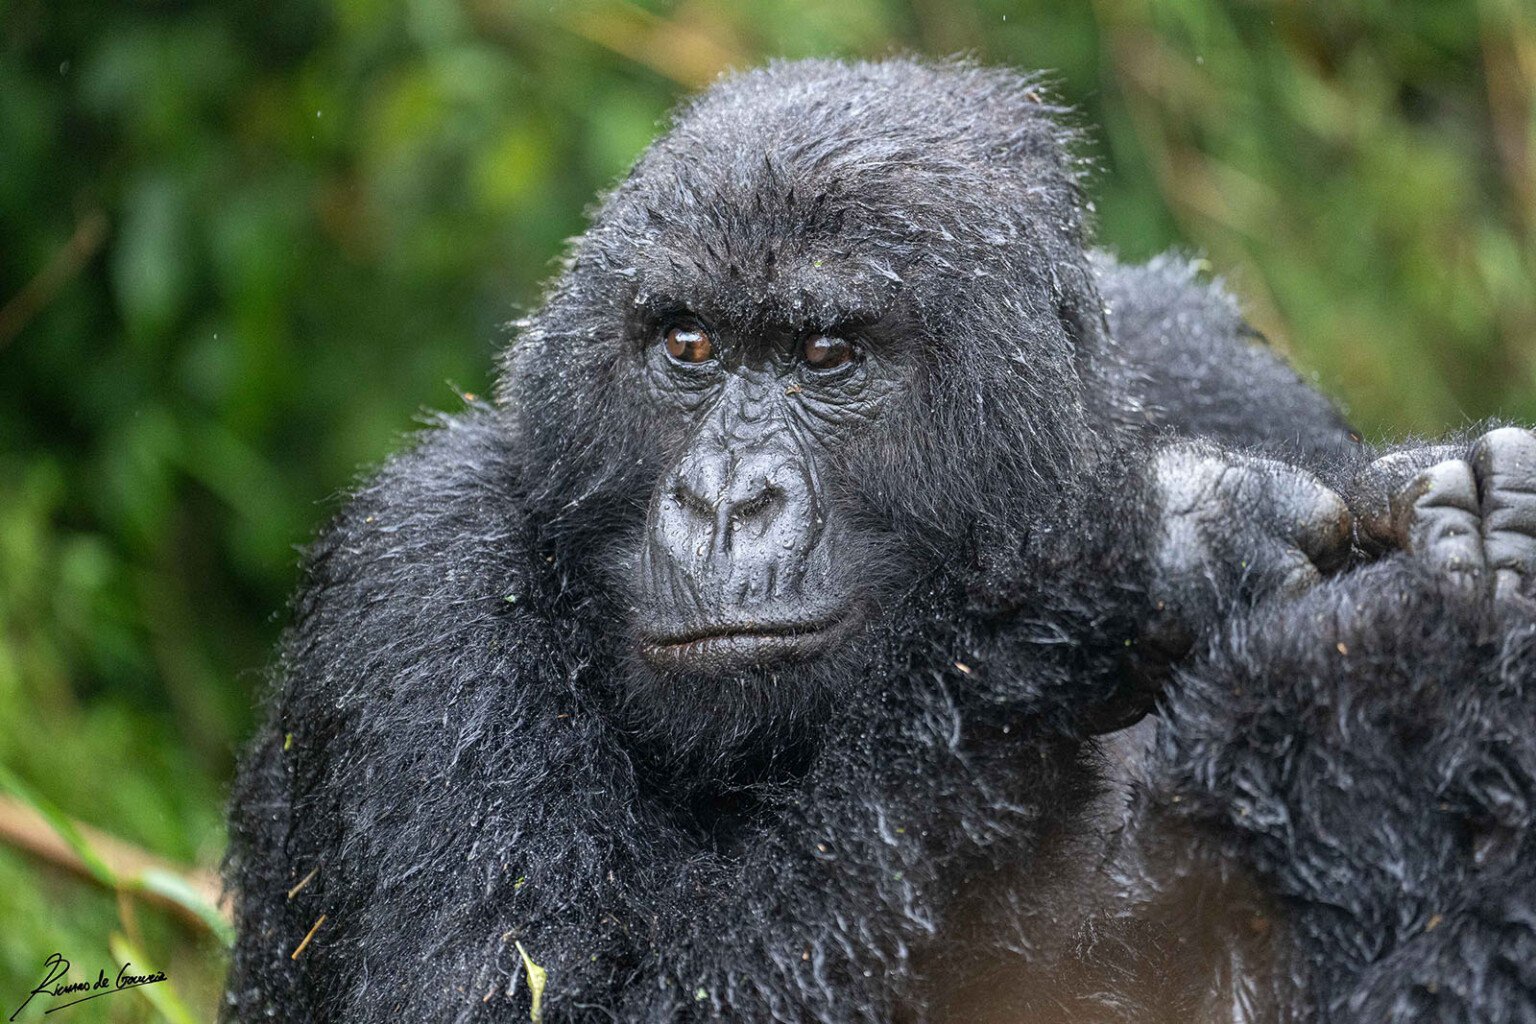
[1366, 755]
[464, 764]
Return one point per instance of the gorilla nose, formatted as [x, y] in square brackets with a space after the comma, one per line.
[737, 525]
[753, 503]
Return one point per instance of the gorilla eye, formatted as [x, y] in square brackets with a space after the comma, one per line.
[827, 351]
[689, 342]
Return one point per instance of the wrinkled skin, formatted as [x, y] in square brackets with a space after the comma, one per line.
[1231, 524]
[747, 567]
[863, 603]
[1469, 514]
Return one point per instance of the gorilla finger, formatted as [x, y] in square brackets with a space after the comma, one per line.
[1505, 462]
[1312, 518]
[1438, 517]
[1375, 485]
[1282, 570]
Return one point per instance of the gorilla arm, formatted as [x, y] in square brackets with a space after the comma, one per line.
[431, 778]
[436, 783]
[1367, 755]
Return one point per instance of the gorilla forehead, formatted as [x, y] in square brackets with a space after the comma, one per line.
[819, 179]
[900, 124]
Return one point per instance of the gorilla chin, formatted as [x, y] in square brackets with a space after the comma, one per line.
[727, 710]
[718, 679]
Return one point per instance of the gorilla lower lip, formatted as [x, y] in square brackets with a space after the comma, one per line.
[731, 647]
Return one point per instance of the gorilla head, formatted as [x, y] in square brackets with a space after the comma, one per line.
[830, 330]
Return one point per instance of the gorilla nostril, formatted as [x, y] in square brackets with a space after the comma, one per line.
[756, 505]
[689, 500]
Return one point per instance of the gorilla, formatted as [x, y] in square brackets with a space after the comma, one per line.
[863, 601]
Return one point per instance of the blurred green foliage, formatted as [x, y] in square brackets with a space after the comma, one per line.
[242, 243]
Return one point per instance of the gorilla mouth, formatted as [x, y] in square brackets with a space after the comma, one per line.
[733, 646]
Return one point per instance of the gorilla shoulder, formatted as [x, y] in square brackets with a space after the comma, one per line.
[435, 528]
[1193, 366]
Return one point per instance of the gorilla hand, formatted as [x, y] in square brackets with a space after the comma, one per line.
[1234, 528]
[1469, 513]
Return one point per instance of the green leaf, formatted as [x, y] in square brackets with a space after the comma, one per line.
[173, 887]
[538, 977]
[161, 995]
[60, 823]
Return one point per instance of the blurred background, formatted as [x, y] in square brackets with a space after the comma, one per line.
[243, 244]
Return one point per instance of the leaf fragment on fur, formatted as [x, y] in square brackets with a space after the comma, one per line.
[537, 978]
[304, 943]
[303, 882]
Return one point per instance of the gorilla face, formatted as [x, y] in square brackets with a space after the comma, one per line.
[761, 567]
[744, 559]
[793, 365]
